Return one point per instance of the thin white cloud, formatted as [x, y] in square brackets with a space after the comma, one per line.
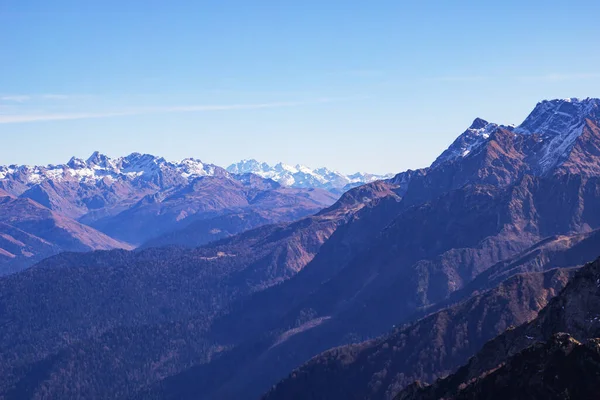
[16, 98]
[51, 96]
[22, 98]
[21, 118]
[560, 77]
[364, 73]
[551, 77]
[466, 78]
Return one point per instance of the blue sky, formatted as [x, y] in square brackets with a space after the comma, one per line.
[378, 86]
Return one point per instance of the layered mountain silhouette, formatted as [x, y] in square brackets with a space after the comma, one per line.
[301, 176]
[439, 343]
[139, 198]
[30, 232]
[445, 258]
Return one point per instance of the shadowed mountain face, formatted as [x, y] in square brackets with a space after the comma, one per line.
[206, 199]
[439, 343]
[154, 304]
[561, 368]
[229, 319]
[429, 348]
[30, 232]
[542, 359]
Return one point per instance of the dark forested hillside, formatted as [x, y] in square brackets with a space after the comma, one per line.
[151, 305]
[424, 350]
[542, 359]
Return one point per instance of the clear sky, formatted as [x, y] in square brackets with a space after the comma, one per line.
[377, 86]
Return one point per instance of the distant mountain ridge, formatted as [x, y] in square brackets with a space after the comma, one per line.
[141, 197]
[150, 168]
[301, 176]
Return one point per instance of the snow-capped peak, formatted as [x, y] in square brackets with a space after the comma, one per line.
[477, 134]
[302, 176]
[97, 159]
[558, 123]
[557, 117]
[248, 166]
[145, 169]
[99, 166]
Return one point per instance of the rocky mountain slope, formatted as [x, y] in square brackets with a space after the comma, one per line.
[439, 343]
[29, 232]
[561, 368]
[205, 199]
[540, 359]
[429, 348]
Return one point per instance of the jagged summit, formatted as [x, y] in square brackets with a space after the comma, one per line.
[99, 166]
[559, 116]
[147, 167]
[477, 134]
[559, 124]
[556, 125]
[479, 123]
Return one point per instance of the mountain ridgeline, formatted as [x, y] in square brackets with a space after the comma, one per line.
[282, 289]
[143, 200]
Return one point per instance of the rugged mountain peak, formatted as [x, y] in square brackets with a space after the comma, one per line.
[98, 159]
[76, 163]
[546, 139]
[558, 123]
[479, 123]
[476, 135]
[559, 116]
[98, 167]
[248, 166]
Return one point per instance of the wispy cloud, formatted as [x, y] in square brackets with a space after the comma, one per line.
[550, 77]
[465, 78]
[364, 73]
[560, 77]
[15, 98]
[51, 96]
[22, 98]
[26, 117]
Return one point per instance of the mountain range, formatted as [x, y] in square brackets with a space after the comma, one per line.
[128, 201]
[398, 280]
[301, 176]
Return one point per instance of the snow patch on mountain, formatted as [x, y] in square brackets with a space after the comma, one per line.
[477, 134]
[146, 168]
[99, 167]
[558, 123]
[301, 176]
